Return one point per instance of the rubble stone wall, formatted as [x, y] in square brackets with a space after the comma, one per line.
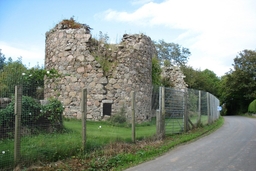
[68, 51]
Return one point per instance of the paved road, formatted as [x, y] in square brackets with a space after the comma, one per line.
[230, 148]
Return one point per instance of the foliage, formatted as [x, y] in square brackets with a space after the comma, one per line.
[205, 80]
[52, 113]
[252, 107]
[2, 60]
[102, 51]
[156, 71]
[167, 63]
[238, 87]
[10, 76]
[71, 23]
[119, 118]
[33, 81]
[172, 52]
[15, 73]
[166, 82]
[34, 116]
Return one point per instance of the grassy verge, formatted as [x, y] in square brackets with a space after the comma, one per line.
[45, 148]
[119, 155]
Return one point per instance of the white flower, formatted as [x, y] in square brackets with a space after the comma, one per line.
[41, 111]
[48, 72]
[3, 152]
[30, 75]
[99, 127]
[29, 113]
[23, 73]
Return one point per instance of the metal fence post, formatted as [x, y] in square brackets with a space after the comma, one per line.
[84, 117]
[133, 116]
[17, 112]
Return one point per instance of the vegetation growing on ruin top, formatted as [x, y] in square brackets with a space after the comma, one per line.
[71, 23]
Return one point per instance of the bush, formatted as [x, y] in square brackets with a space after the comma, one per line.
[119, 118]
[52, 114]
[34, 118]
[252, 107]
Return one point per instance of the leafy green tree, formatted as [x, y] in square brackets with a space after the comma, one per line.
[156, 71]
[238, 87]
[172, 52]
[33, 81]
[10, 76]
[2, 60]
[205, 80]
[211, 82]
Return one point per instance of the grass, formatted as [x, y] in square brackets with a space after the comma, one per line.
[108, 147]
[53, 147]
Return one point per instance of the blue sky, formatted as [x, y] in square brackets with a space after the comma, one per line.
[215, 31]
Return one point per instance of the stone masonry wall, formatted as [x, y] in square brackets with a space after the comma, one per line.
[175, 76]
[68, 51]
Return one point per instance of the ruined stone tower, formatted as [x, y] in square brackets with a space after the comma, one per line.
[70, 52]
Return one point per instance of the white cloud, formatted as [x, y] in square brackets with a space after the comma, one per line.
[31, 55]
[214, 29]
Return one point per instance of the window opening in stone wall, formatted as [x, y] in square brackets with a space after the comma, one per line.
[107, 108]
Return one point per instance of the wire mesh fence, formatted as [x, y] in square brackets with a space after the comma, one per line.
[45, 136]
[184, 109]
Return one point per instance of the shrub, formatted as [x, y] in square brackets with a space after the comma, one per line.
[52, 114]
[119, 118]
[35, 118]
[252, 107]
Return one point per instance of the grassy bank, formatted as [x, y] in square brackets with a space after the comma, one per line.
[45, 148]
[121, 154]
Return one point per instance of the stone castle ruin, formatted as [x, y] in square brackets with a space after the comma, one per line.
[110, 73]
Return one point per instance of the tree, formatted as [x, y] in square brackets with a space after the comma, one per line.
[2, 60]
[156, 72]
[10, 76]
[172, 52]
[238, 87]
[205, 80]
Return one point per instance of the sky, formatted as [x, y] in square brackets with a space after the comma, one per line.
[214, 31]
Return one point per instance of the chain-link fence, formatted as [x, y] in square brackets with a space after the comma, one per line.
[24, 118]
[32, 131]
[184, 109]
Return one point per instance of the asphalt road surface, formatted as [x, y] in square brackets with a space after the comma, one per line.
[230, 148]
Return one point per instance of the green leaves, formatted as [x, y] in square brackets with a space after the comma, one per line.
[176, 54]
[156, 72]
[34, 116]
[238, 87]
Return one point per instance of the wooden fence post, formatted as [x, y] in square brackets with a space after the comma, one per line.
[199, 108]
[159, 115]
[163, 113]
[133, 116]
[186, 124]
[208, 107]
[84, 117]
[17, 112]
